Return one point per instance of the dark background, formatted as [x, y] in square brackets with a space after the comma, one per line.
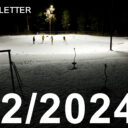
[98, 16]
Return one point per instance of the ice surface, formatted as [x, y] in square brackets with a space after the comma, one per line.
[82, 43]
[47, 68]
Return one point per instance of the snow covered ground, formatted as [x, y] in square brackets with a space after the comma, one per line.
[47, 68]
[82, 43]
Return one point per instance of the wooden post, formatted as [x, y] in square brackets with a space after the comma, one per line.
[111, 41]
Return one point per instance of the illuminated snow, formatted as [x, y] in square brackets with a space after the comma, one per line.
[83, 44]
[46, 68]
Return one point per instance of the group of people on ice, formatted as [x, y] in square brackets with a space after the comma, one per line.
[43, 39]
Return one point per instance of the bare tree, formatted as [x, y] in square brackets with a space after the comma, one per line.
[65, 20]
[81, 22]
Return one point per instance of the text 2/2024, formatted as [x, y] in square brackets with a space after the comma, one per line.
[46, 117]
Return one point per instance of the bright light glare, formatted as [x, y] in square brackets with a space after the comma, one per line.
[52, 9]
[51, 6]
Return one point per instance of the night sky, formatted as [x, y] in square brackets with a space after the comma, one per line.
[100, 16]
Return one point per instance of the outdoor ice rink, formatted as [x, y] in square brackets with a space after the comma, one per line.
[46, 68]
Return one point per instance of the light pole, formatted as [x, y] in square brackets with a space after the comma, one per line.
[50, 16]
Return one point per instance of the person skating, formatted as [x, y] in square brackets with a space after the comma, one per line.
[52, 40]
[43, 39]
[64, 38]
[33, 39]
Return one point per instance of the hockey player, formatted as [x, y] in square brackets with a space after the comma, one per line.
[52, 40]
[33, 39]
[43, 39]
[64, 38]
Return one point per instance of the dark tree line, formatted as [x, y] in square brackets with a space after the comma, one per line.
[74, 16]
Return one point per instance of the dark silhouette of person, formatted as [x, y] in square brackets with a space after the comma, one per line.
[52, 40]
[64, 38]
[34, 39]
